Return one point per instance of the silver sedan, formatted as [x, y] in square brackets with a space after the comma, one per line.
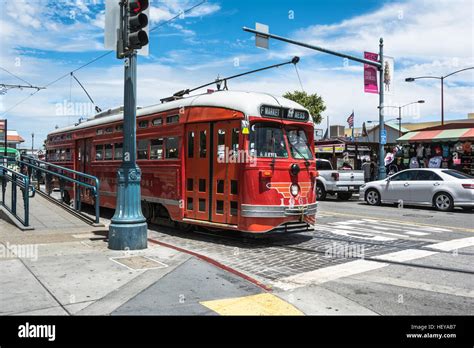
[442, 188]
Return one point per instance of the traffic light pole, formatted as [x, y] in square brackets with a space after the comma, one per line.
[128, 230]
[382, 170]
[378, 64]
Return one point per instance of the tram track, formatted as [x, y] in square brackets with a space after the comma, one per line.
[245, 240]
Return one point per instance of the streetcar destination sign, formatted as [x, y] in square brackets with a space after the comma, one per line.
[285, 113]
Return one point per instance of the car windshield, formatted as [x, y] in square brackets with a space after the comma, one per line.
[299, 144]
[267, 140]
[457, 174]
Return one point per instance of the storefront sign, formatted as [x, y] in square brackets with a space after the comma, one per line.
[329, 148]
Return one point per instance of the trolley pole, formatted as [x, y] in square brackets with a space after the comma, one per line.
[128, 230]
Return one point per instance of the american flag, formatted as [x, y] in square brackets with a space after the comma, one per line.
[350, 120]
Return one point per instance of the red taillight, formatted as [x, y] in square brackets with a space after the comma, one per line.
[335, 176]
[468, 186]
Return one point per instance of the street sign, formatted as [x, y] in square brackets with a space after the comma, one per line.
[112, 26]
[261, 40]
[383, 137]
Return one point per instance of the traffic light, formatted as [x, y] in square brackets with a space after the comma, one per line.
[137, 20]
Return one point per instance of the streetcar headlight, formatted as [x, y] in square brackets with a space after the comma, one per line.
[294, 189]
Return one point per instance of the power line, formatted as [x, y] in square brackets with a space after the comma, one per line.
[100, 57]
[12, 74]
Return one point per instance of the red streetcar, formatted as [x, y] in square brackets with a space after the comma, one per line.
[225, 160]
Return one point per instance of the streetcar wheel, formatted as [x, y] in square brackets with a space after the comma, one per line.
[443, 201]
[147, 211]
[66, 198]
[344, 196]
[183, 227]
[372, 197]
[320, 192]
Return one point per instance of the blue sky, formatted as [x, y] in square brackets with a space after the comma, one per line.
[42, 40]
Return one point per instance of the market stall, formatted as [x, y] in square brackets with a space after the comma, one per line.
[447, 146]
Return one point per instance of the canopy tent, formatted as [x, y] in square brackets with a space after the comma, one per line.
[438, 135]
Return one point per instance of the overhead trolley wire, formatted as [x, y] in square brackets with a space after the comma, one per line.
[99, 57]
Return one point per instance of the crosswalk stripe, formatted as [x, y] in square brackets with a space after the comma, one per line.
[443, 289]
[453, 244]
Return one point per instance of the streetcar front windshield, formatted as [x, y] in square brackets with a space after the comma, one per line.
[267, 140]
[299, 144]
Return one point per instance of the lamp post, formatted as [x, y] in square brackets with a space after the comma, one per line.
[441, 78]
[399, 118]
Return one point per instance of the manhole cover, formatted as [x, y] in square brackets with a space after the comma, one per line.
[138, 262]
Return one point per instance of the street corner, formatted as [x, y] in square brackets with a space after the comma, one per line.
[260, 304]
[192, 288]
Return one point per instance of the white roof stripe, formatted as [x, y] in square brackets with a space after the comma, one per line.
[247, 102]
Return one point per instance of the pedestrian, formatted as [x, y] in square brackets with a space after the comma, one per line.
[366, 167]
[372, 171]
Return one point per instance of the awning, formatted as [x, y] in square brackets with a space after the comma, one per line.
[438, 135]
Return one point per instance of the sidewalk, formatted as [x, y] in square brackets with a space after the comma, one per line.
[70, 271]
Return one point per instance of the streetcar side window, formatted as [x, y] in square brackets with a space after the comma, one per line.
[171, 147]
[98, 152]
[221, 143]
[157, 121]
[109, 150]
[191, 144]
[202, 144]
[156, 150]
[142, 149]
[118, 155]
[143, 124]
[172, 119]
[68, 154]
[235, 140]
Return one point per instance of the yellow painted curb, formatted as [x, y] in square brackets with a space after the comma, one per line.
[261, 304]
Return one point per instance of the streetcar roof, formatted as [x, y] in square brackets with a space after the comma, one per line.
[247, 102]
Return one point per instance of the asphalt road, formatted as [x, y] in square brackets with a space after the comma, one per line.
[359, 259]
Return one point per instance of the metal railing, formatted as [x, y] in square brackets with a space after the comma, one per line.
[21, 181]
[66, 179]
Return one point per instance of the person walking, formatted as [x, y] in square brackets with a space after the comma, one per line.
[366, 167]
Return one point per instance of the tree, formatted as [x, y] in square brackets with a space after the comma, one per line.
[313, 102]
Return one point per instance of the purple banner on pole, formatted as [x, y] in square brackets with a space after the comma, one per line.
[370, 74]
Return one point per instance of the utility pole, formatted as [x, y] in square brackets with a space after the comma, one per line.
[261, 39]
[128, 230]
[32, 143]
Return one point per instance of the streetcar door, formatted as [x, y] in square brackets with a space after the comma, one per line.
[197, 162]
[87, 156]
[224, 172]
[80, 156]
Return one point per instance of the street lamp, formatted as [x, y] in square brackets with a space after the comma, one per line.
[411, 79]
[399, 118]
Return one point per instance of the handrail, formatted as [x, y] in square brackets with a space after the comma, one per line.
[65, 174]
[23, 182]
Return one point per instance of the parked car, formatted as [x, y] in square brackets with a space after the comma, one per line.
[443, 189]
[342, 183]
